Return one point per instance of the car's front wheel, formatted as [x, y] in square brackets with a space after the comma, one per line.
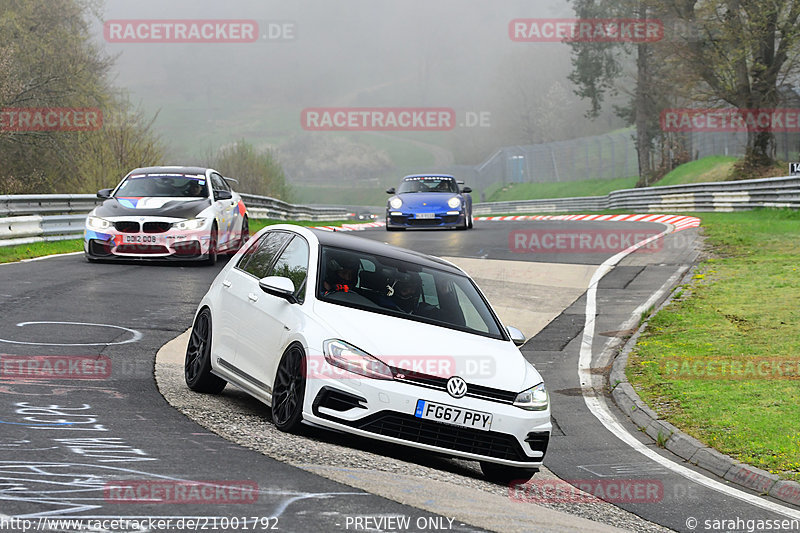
[289, 390]
[197, 365]
[213, 246]
[245, 233]
[506, 474]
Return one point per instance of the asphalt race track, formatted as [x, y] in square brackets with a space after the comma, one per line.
[64, 440]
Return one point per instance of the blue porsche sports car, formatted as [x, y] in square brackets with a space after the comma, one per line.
[429, 200]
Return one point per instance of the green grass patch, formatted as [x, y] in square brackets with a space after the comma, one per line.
[257, 224]
[9, 254]
[565, 189]
[740, 308]
[712, 168]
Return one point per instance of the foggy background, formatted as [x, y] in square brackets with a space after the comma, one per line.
[353, 53]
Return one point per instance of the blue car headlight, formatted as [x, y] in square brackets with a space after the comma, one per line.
[454, 202]
[396, 202]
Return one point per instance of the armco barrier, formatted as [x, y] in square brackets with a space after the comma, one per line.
[31, 218]
[714, 196]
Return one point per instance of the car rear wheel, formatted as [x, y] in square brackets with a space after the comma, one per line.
[289, 390]
[213, 244]
[506, 474]
[197, 365]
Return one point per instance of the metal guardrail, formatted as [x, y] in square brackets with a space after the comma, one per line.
[713, 196]
[28, 218]
[33, 218]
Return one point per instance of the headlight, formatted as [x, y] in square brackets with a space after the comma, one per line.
[98, 223]
[533, 399]
[339, 353]
[192, 223]
[454, 202]
[395, 202]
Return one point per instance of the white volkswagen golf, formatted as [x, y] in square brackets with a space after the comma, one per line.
[359, 336]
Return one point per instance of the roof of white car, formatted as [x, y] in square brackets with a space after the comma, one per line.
[345, 241]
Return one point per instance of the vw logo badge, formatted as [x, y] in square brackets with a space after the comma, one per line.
[456, 387]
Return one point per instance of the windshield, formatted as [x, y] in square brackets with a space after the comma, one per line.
[428, 184]
[172, 185]
[407, 290]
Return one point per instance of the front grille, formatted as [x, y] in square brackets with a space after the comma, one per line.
[142, 249]
[466, 440]
[127, 226]
[439, 383]
[424, 221]
[156, 227]
[450, 219]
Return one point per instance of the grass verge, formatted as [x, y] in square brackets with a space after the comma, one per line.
[737, 317]
[566, 189]
[712, 168]
[9, 254]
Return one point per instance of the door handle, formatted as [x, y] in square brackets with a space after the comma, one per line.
[226, 283]
[252, 297]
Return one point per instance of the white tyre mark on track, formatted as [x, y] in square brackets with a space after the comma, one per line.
[135, 335]
[599, 408]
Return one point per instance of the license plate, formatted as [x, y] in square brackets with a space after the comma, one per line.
[456, 416]
[141, 239]
[426, 215]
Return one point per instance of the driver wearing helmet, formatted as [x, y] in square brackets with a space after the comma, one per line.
[406, 291]
[341, 274]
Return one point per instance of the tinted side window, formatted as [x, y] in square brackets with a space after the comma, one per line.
[258, 258]
[293, 264]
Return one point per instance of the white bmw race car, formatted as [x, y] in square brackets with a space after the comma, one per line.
[157, 213]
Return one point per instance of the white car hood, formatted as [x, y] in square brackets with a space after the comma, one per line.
[430, 349]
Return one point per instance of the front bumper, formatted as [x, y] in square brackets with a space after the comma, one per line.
[411, 219]
[111, 244]
[384, 410]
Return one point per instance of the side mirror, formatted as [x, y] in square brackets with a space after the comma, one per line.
[466, 190]
[278, 286]
[390, 190]
[222, 195]
[516, 335]
[104, 193]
